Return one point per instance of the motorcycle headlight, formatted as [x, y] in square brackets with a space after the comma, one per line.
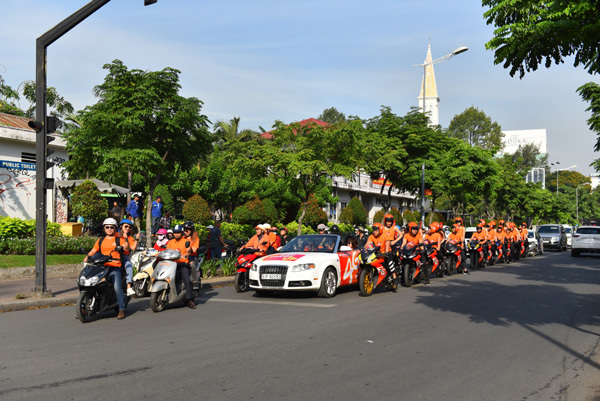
[303, 267]
[89, 281]
[254, 268]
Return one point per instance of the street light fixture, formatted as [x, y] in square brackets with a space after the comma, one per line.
[561, 169]
[442, 59]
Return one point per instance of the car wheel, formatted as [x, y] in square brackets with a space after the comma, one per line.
[328, 283]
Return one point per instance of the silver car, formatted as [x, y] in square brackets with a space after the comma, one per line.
[553, 236]
[586, 239]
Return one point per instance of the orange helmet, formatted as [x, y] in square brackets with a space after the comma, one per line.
[433, 227]
[501, 222]
[479, 225]
[455, 226]
[492, 224]
[389, 217]
[412, 225]
[458, 219]
[482, 222]
[377, 226]
[524, 224]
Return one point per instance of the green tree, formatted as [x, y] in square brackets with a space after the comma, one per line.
[332, 116]
[196, 209]
[140, 125]
[313, 214]
[477, 129]
[166, 198]
[87, 202]
[354, 213]
[230, 131]
[531, 32]
[10, 100]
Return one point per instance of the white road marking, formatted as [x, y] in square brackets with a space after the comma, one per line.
[288, 303]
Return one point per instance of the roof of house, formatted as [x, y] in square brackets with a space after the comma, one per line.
[267, 135]
[14, 121]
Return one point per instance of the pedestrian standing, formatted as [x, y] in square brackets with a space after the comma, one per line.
[115, 212]
[156, 214]
[165, 221]
[134, 212]
[216, 242]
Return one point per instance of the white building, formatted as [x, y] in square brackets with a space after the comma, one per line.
[17, 169]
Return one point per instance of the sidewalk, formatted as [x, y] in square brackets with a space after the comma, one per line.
[64, 291]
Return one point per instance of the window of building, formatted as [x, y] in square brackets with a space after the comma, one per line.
[28, 157]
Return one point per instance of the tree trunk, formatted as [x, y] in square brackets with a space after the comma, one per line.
[129, 181]
[304, 206]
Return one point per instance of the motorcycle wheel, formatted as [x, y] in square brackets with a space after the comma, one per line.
[473, 260]
[366, 282]
[240, 282]
[451, 265]
[156, 303]
[84, 314]
[328, 284]
[407, 275]
[140, 288]
[439, 272]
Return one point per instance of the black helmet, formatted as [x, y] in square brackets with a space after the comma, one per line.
[178, 228]
[188, 225]
[334, 229]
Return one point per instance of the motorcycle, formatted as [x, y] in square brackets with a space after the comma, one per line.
[373, 272]
[246, 256]
[411, 264]
[432, 254]
[167, 285]
[96, 292]
[453, 256]
[476, 252]
[144, 263]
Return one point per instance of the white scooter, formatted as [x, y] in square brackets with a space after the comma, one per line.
[143, 262]
[167, 287]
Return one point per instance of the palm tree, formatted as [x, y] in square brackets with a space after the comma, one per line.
[229, 131]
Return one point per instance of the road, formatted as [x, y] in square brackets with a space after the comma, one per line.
[527, 331]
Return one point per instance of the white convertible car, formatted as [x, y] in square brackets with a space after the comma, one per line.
[307, 263]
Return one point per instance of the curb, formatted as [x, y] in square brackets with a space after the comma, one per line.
[17, 273]
[37, 303]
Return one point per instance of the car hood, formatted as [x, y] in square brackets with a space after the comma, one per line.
[291, 258]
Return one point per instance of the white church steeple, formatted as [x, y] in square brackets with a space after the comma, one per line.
[432, 101]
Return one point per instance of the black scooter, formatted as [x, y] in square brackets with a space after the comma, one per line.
[96, 292]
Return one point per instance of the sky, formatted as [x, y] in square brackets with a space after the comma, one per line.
[268, 60]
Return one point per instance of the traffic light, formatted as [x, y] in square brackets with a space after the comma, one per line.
[52, 124]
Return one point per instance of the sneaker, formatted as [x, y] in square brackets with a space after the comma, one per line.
[130, 291]
[121, 315]
[191, 304]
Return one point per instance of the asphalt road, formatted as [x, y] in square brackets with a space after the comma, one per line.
[527, 331]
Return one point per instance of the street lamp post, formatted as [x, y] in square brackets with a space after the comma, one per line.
[577, 200]
[561, 169]
[442, 59]
[40, 125]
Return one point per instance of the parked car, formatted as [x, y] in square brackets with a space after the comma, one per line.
[318, 263]
[536, 245]
[586, 239]
[569, 231]
[553, 236]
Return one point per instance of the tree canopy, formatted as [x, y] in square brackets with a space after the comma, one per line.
[477, 129]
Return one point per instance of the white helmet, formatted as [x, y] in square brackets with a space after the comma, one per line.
[266, 226]
[110, 222]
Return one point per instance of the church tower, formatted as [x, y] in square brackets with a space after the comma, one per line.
[432, 101]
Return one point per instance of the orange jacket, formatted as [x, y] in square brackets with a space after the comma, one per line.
[108, 246]
[262, 243]
[435, 239]
[380, 241]
[180, 245]
[456, 238]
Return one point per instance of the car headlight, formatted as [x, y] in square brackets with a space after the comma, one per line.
[254, 268]
[554, 239]
[303, 267]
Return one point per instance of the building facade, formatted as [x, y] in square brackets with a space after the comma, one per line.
[17, 169]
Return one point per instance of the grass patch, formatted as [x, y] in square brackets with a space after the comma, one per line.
[29, 260]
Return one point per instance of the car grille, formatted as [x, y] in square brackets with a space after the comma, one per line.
[273, 270]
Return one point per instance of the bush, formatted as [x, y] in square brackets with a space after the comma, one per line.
[293, 229]
[256, 211]
[356, 213]
[12, 227]
[54, 246]
[397, 215]
[196, 209]
[87, 202]
[408, 217]
[378, 218]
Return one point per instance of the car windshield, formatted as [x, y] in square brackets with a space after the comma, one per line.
[548, 230]
[588, 230]
[530, 234]
[312, 243]
[568, 230]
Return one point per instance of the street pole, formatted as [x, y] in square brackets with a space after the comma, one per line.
[41, 182]
[423, 195]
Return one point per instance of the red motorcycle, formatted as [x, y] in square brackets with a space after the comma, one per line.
[373, 272]
[453, 256]
[246, 256]
[432, 258]
[410, 257]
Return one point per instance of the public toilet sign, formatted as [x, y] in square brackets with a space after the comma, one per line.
[12, 165]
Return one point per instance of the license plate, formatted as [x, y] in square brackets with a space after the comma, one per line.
[270, 276]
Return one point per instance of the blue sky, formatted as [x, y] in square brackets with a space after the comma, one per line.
[289, 60]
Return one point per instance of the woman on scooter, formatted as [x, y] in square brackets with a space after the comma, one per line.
[125, 229]
[106, 246]
[183, 264]
[162, 241]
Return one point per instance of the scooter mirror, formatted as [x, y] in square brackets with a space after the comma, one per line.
[119, 248]
[187, 244]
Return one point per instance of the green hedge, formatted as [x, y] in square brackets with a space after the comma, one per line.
[55, 245]
[12, 227]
